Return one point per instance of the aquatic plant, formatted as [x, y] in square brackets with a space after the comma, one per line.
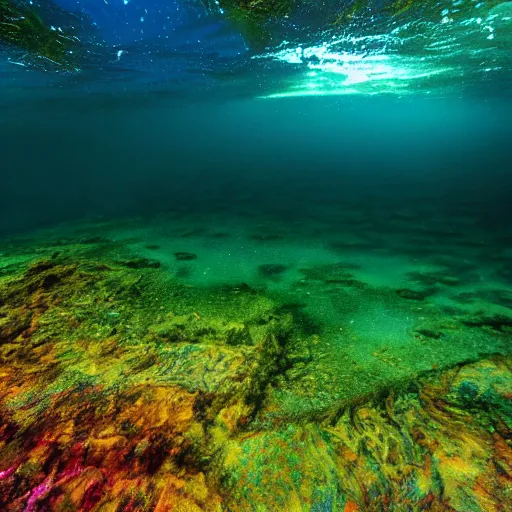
[254, 18]
[265, 22]
[122, 387]
[347, 13]
[22, 27]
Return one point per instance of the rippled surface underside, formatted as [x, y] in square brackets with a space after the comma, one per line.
[368, 48]
[446, 50]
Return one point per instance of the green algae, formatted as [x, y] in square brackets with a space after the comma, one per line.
[318, 395]
[411, 443]
[340, 351]
[22, 27]
[254, 18]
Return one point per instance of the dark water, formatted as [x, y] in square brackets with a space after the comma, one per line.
[84, 158]
[160, 103]
[246, 277]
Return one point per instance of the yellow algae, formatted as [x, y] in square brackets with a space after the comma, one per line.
[129, 407]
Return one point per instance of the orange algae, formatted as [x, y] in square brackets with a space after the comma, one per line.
[172, 412]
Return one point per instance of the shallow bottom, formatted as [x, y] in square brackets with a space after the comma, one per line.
[343, 358]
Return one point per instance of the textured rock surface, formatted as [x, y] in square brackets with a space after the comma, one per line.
[122, 388]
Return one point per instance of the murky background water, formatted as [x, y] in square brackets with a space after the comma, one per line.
[157, 102]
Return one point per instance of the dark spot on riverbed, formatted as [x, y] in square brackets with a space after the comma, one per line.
[272, 270]
[185, 256]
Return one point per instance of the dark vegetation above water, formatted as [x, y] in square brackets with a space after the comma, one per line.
[49, 32]
[262, 22]
[23, 27]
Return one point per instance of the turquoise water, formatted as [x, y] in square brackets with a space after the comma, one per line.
[256, 262]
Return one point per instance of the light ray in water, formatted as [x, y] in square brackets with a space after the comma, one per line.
[414, 57]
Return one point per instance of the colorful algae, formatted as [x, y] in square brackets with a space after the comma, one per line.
[126, 387]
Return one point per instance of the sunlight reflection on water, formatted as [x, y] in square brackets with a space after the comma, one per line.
[417, 56]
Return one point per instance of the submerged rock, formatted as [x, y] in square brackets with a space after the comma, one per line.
[139, 263]
[496, 322]
[185, 256]
[121, 388]
[422, 448]
[430, 333]
[409, 294]
[433, 278]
